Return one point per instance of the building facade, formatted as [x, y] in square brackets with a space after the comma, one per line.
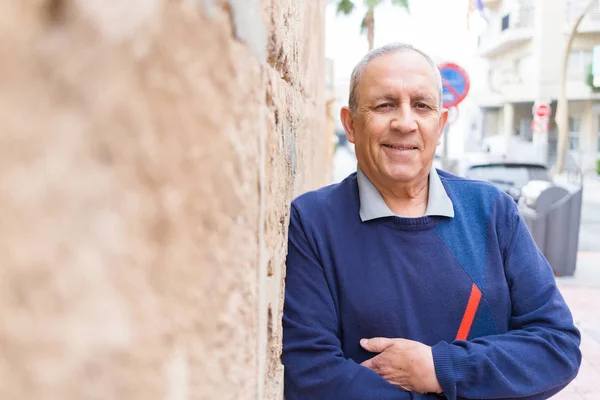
[524, 45]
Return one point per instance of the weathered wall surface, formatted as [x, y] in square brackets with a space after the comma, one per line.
[148, 153]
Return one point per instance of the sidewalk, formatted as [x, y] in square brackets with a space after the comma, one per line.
[582, 293]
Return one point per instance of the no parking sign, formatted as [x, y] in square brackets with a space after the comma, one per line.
[455, 84]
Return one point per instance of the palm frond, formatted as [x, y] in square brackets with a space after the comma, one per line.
[371, 4]
[345, 7]
[402, 3]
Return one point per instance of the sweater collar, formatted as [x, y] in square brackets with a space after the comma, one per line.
[372, 205]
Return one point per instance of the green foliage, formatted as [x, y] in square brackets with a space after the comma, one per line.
[345, 7]
[590, 80]
[371, 4]
[402, 3]
[598, 166]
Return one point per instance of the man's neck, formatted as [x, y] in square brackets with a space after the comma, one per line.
[405, 199]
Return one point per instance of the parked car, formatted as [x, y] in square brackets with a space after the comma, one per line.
[509, 176]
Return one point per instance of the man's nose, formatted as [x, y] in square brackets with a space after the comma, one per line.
[404, 119]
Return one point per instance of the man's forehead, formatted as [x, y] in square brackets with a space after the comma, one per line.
[407, 68]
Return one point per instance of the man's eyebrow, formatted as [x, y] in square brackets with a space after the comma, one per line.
[423, 97]
[388, 97]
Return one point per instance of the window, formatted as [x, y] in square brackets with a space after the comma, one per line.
[574, 124]
[526, 14]
[574, 129]
[505, 22]
[579, 60]
[525, 129]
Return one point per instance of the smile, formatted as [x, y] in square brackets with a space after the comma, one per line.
[401, 147]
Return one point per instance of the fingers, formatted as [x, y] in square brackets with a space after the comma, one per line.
[374, 363]
[368, 364]
[376, 345]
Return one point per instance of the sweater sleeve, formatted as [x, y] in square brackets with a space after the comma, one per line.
[315, 366]
[538, 356]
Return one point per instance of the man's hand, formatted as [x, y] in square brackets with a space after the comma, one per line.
[404, 363]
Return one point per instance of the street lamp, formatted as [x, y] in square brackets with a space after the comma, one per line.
[562, 107]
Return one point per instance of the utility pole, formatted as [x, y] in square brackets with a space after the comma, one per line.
[445, 158]
[562, 108]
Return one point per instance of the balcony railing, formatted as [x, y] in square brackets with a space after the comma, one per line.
[519, 17]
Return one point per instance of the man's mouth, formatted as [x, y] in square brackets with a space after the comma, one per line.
[401, 147]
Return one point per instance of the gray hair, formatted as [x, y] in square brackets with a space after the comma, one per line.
[387, 49]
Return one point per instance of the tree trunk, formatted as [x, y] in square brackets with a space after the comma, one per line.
[562, 107]
[370, 26]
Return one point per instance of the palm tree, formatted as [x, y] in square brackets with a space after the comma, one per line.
[368, 23]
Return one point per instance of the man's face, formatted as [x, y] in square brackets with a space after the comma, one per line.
[398, 123]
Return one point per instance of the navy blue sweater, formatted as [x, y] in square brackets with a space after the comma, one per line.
[475, 287]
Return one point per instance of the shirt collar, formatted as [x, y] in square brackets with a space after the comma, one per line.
[372, 205]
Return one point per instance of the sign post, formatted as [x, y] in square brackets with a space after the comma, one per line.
[455, 87]
[539, 127]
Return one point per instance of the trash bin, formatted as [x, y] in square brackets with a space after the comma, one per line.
[553, 215]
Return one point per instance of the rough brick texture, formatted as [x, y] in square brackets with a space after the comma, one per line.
[148, 153]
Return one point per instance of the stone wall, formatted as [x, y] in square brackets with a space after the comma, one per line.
[149, 150]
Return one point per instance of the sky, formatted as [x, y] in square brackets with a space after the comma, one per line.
[438, 27]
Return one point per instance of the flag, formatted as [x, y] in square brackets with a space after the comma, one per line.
[481, 9]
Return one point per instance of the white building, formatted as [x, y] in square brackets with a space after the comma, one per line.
[524, 43]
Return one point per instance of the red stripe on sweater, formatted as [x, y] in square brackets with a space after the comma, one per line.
[467, 321]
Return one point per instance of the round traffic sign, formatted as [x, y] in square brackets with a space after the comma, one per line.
[542, 110]
[455, 84]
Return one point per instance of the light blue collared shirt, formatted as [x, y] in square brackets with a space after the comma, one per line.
[373, 206]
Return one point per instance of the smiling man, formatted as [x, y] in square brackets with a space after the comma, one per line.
[404, 282]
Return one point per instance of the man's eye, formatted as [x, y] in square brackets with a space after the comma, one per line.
[385, 105]
[422, 106]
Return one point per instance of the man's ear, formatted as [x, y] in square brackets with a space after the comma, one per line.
[348, 122]
[443, 122]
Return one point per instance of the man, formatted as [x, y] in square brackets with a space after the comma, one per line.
[404, 282]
